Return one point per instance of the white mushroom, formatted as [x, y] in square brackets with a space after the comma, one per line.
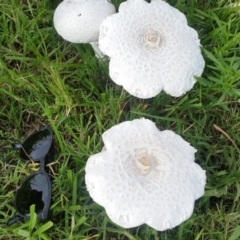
[151, 48]
[145, 176]
[78, 21]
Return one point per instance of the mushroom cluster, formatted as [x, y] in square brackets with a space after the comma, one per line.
[151, 48]
[145, 176]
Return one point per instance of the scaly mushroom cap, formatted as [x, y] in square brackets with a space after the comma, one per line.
[145, 176]
[151, 48]
[78, 21]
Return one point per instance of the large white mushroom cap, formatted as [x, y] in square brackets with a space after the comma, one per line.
[78, 21]
[151, 48]
[145, 176]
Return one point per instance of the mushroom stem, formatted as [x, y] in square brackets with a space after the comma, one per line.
[97, 51]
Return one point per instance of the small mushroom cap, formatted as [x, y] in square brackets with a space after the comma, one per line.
[151, 48]
[78, 21]
[145, 176]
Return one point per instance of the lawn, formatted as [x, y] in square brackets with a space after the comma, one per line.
[45, 80]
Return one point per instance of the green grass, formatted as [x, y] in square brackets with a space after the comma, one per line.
[45, 80]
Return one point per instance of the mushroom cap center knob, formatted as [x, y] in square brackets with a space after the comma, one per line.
[152, 39]
[143, 162]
